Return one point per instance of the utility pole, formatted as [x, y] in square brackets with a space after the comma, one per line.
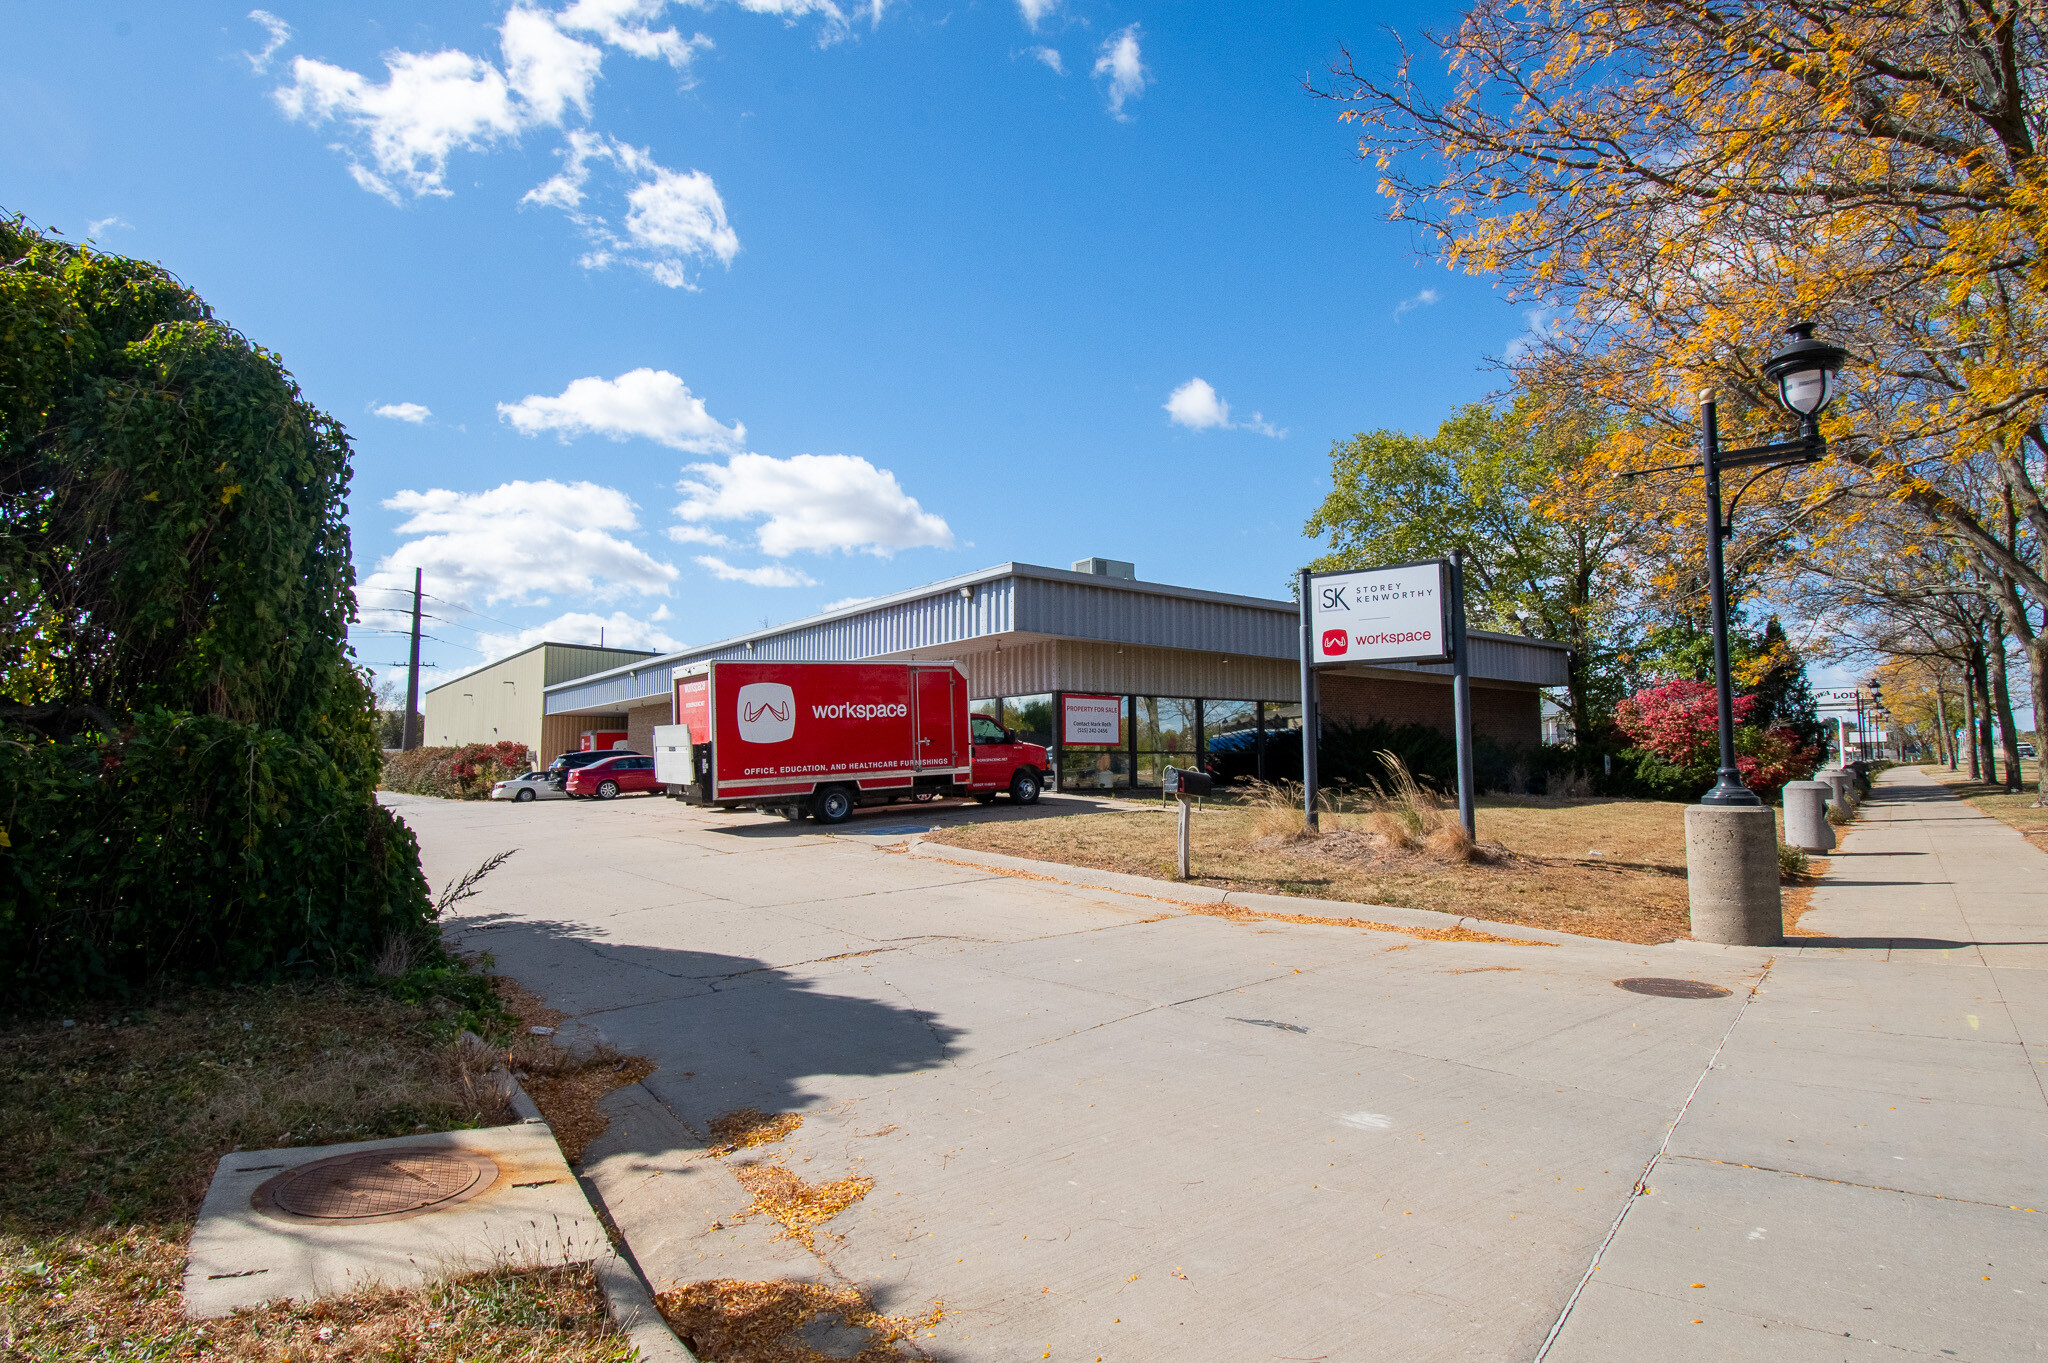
[412, 736]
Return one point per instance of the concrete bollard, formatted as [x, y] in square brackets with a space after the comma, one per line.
[1731, 870]
[1844, 786]
[1806, 816]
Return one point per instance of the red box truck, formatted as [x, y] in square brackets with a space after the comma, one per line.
[824, 738]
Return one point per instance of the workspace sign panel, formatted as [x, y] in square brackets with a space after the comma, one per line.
[1382, 615]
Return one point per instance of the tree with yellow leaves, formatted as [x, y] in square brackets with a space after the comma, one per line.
[1683, 178]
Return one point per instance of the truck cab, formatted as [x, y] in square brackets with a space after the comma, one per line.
[1003, 762]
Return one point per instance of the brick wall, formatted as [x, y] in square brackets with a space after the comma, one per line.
[1507, 715]
[640, 723]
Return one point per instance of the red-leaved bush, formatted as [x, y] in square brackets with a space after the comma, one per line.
[464, 773]
[1677, 722]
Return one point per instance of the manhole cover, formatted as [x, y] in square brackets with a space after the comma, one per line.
[1672, 989]
[375, 1185]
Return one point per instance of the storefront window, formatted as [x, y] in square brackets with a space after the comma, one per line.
[1166, 737]
[1029, 717]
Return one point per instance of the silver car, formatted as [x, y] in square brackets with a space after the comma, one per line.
[532, 786]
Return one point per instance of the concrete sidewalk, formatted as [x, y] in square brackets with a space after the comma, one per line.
[1863, 1170]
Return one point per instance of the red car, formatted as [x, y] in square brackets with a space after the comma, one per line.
[612, 777]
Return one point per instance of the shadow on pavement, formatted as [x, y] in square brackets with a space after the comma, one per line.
[728, 1031]
[1902, 943]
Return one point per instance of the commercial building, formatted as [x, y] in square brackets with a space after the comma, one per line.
[503, 701]
[1153, 673]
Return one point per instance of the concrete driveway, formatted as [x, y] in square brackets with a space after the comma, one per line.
[1098, 1126]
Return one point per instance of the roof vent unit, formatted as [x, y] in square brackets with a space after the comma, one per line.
[1107, 567]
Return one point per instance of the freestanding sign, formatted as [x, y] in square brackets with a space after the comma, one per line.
[1384, 615]
[1404, 613]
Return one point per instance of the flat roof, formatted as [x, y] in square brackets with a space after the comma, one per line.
[545, 643]
[1001, 572]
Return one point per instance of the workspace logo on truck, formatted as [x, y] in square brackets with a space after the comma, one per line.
[767, 712]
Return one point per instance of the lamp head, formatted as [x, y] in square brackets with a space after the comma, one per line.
[1805, 369]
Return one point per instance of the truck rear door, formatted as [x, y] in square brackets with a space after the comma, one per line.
[935, 742]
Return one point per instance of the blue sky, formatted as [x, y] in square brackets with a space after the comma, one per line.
[687, 317]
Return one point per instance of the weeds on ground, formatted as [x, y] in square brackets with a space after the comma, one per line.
[1792, 862]
[115, 1295]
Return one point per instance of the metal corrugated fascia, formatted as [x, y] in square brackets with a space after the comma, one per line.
[1110, 611]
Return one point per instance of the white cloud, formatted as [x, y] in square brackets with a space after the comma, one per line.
[521, 542]
[280, 33]
[1125, 67]
[670, 215]
[432, 105]
[403, 411]
[617, 630]
[642, 402]
[1196, 406]
[98, 226]
[1427, 298]
[547, 68]
[816, 502]
[697, 534]
[1199, 407]
[772, 575]
[843, 602]
[1034, 10]
[1051, 57]
[627, 25]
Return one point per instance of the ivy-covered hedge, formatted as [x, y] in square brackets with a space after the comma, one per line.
[196, 848]
[188, 757]
[464, 773]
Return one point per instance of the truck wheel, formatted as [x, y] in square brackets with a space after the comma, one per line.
[832, 805]
[522, 797]
[608, 790]
[1024, 788]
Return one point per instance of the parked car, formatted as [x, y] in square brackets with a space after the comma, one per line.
[535, 785]
[613, 775]
[559, 769]
[2026, 749]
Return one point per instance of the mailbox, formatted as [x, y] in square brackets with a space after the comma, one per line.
[1183, 782]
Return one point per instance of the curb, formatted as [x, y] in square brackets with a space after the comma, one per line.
[626, 1294]
[1172, 892]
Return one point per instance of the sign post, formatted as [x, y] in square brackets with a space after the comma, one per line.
[1461, 696]
[1404, 613]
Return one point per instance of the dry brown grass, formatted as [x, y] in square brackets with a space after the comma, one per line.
[116, 1122]
[749, 1127]
[115, 1295]
[568, 1084]
[730, 1321]
[1603, 868]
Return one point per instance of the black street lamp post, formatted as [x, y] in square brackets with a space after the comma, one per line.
[1804, 370]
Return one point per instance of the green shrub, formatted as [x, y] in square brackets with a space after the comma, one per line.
[1793, 861]
[188, 757]
[198, 849]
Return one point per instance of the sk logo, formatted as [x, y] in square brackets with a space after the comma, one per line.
[1336, 643]
[767, 712]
